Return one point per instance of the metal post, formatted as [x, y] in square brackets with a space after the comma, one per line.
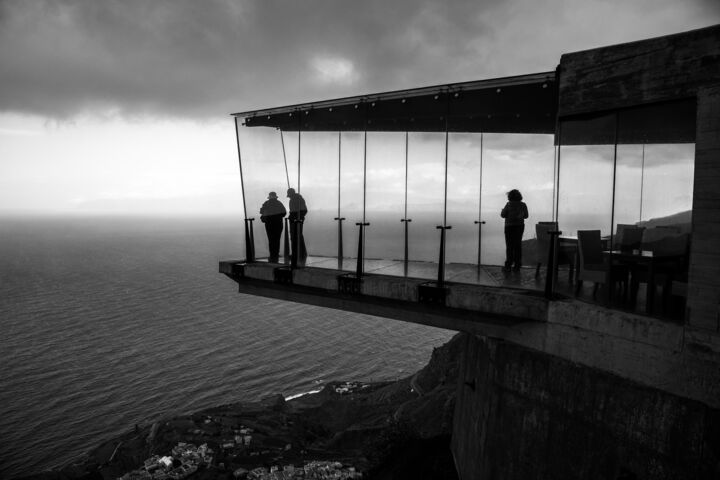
[286, 246]
[608, 283]
[361, 239]
[249, 240]
[444, 226]
[339, 218]
[551, 267]
[295, 242]
[406, 261]
[299, 138]
[441, 259]
[340, 253]
[406, 220]
[364, 223]
[479, 222]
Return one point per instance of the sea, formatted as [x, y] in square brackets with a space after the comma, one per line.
[109, 322]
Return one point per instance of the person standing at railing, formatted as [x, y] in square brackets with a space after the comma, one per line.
[272, 213]
[515, 212]
[298, 211]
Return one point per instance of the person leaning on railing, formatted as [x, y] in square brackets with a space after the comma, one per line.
[298, 211]
[515, 212]
[272, 213]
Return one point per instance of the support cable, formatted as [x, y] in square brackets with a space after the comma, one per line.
[287, 174]
[299, 141]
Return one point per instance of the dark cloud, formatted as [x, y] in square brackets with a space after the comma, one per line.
[207, 58]
[212, 57]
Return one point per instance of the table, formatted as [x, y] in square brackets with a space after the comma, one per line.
[642, 258]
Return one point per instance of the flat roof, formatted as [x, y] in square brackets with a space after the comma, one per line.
[518, 104]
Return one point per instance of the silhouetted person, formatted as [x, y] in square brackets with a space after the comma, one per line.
[298, 211]
[514, 213]
[272, 213]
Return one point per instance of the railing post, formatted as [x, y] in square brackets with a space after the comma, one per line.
[295, 242]
[360, 258]
[479, 223]
[550, 274]
[249, 240]
[340, 242]
[441, 259]
[286, 245]
[406, 221]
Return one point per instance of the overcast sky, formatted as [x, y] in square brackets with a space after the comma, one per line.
[122, 106]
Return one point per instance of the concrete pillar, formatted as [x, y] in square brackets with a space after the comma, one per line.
[704, 276]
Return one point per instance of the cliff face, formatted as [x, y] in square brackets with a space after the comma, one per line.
[386, 430]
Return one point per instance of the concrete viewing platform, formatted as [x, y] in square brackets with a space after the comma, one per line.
[505, 306]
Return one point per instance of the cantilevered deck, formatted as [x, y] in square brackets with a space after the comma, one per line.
[471, 292]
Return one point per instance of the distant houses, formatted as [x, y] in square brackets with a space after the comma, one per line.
[186, 459]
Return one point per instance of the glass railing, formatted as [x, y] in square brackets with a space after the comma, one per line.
[400, 187]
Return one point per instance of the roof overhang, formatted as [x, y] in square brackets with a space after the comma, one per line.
[519, 104]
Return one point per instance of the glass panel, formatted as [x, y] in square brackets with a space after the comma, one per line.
[319, 188]
[426, 174]
[384, 238]
[586, 175]
[351, 192]
[628, 184]
[668, 184]
[525, 163]
[263, 172]
[463, 198]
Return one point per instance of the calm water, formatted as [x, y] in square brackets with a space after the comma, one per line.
[108, 322]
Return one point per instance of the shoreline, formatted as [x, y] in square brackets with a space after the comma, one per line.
[353, 424]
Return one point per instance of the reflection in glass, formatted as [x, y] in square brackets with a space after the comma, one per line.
[351, 191]
[319, 188]
[585, 191]
[668, 182]
[524, 162]
[426, 172]
[384, 238]
[263, 171]
[463, 197]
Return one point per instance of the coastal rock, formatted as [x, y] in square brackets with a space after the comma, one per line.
[382, 429]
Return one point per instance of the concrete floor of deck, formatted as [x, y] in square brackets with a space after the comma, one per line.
[493, 275]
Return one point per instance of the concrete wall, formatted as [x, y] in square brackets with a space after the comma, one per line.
[523, 414]
[655, 70]
[704, 275]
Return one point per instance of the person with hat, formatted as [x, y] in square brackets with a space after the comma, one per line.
[298, 211]
[272, 213]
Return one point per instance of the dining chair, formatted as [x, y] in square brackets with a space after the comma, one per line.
[593, 266]
[542, 243]
[628, 237]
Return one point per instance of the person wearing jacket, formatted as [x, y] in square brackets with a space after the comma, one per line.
[298, 211]
[272, 213]
[515, 212]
